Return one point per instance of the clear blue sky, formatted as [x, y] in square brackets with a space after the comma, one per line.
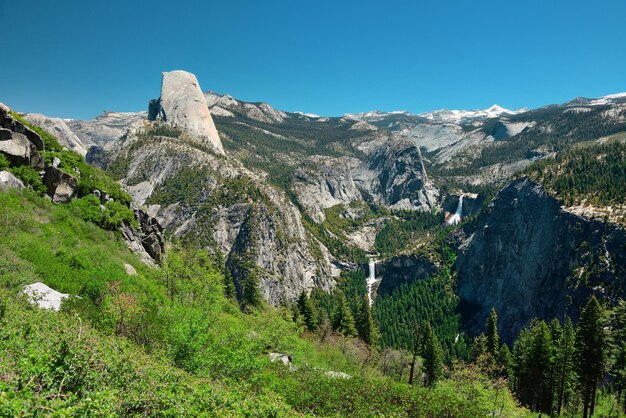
[76, 58]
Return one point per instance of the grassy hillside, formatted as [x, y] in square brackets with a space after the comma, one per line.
[167, 342]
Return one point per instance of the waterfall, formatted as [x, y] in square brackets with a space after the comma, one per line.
[456, 218]
[371, 279]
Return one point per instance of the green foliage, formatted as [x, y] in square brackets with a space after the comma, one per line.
[89, 178]
[433, 357]
[30, 177]
[115, 214]
[431, 299]
[307, 310]
[4, 163]
[402, 231]
[590, 352]
[493, 340]
[596, 174]
[365, 325]
[342, 318]
[167, 343]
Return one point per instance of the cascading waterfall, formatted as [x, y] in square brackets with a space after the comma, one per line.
[371, 279]
[456, 218]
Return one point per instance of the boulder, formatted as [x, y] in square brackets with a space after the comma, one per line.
[130, 270]
[9, 181]
[17, 148]
[183, 105]
[44, 296]
[61, 186]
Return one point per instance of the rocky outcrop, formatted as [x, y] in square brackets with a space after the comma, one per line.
[105, 130]
[61, 186]
[394, 175]
[183, 105]
[19, 143]
[227, 106]
[58, 127]
[530, 258]
[274, 247]
[147, 240]
[403, 269]
[324, 182]
[9, 181]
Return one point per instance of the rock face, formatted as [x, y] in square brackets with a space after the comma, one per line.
[394, 175]
[530, 258]
[183, 105]
[402, 269]
[61, 186]
[58, 128]
[147, 240]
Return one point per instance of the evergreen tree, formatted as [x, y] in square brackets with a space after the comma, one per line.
[505, 361]
[307, 311]
[365, 322]
[250, 295]
[342, 317]
[618, 371]
[433, 357]
[590, 351]
[479, 346]
[493, 340]
[565, 368]
[229, 285]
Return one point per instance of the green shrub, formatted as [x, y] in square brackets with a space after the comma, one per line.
[115, 214]
[30, 177]
[88, 208]
[4, 163]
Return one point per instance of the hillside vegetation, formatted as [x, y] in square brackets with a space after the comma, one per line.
[167, 341]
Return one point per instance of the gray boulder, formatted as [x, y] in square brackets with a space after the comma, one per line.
[183, 105]
[61, 186]
[16, 148]
[9, 181]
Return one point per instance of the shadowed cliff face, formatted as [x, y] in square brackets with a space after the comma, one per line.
[530, 258]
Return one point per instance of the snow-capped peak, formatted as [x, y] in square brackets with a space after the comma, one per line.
[458, 116]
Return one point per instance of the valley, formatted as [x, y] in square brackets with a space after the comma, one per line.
[444, 249]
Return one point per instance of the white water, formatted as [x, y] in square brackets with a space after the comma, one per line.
[456, 218]
[371, 279]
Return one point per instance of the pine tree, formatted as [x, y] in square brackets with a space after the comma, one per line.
[250, 295]
[365, 324]
[504, 360]
[229, 285]
[479, 346]
[493, 340]
[590, 353]
[433, 356]
[307, 311]
[565, 367]
[342, 317]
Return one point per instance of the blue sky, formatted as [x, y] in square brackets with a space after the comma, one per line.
[75, 59]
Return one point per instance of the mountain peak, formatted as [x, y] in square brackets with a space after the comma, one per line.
[182, 104]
